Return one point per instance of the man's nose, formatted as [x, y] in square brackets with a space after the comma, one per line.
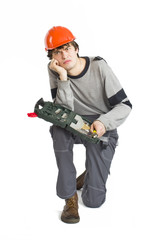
[64, 54]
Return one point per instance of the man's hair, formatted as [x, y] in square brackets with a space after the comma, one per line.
[73, 43]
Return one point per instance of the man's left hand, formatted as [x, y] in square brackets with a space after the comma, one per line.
[99, 127]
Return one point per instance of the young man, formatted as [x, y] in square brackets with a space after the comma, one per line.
[87, 86]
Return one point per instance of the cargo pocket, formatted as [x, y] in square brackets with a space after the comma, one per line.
[108, 150]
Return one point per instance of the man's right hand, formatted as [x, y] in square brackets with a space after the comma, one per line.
[54, 65]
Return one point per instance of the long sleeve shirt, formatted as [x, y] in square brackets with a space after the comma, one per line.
[95, 91]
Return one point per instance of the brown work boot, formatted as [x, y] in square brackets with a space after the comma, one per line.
[70, 211]
[80, 180]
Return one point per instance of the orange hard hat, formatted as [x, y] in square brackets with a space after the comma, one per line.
[57, 36]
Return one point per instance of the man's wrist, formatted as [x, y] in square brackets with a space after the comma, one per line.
[63, 77]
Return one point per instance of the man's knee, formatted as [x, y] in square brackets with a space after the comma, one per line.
[93, 197]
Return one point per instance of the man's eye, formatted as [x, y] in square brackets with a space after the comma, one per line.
[56, 52]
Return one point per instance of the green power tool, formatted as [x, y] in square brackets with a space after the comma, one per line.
[65, 118]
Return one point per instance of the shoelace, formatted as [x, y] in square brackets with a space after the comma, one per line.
[71, 202]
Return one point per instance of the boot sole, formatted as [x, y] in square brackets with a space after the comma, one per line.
[70, 220]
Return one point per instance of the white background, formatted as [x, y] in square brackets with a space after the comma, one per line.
[126, 34]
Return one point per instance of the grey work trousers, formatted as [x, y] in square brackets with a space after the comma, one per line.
[98, 162]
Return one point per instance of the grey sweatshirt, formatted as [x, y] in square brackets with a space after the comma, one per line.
[95, 91]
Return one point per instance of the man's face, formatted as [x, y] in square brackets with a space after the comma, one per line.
[66, 56]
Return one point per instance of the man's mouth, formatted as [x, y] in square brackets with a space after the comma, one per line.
[67, 61]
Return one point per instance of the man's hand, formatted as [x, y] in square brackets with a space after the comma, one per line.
[99, 127]
[54, 65]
